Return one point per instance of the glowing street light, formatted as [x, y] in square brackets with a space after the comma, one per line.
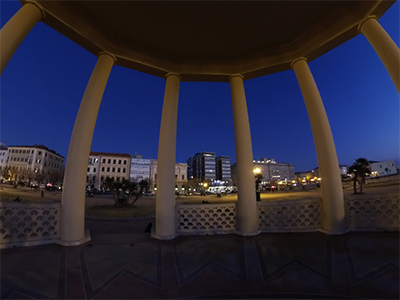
[257, 171]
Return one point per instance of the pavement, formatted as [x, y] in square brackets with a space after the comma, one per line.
[122, 261]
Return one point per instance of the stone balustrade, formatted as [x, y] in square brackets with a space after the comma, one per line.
[28, 223]
[290, 215]
[372, 214]
[217, 218]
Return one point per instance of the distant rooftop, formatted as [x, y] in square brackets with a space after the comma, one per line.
[43, 147]
[110, 154]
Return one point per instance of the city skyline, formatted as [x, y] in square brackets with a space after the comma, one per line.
[43, 84]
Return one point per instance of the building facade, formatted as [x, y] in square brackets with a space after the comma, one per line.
[140, 168]
[102, 165]
[181, 170]
[206, 167]
[270, 170]
[35, 163]
[223, 168]
[383, 168]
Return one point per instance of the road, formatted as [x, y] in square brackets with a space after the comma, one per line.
[25, 193]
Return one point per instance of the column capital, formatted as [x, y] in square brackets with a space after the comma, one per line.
[296, 60]
[235, 75]
[37, 5]
[109, 54]
[173, 74]
[365, 20]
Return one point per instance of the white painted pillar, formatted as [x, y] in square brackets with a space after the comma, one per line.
[247, 211]
[384, 46]
[333, 215]
[73, 197]
[16, 29]
[165, 197]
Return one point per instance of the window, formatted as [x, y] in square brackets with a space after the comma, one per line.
[102, 178]
[114, 161]
[104, 160]
[117, 179]
[119, 170]
[124, 162]
[90, 161]
[109, 161]
[108, 169]
[176, 176]
[183, 177]
[20, 151]
[124, 170]
[32, 152]
[45, 155]
[94, 170]
[119, 162]
[102, 169]
[40, 153]
[113, 169]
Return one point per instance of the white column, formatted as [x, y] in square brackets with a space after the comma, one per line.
[247, 212]
[165, 197]
[16, 29]
[333, 215]
[384, 46]
[73, 197]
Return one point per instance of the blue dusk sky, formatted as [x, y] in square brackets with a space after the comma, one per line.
[43, 84]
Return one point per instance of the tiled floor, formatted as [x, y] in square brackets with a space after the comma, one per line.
[123, 262]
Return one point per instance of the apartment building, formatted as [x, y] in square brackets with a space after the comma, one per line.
[36, 159]
[180, 176]
[140, 168]
[102, 165]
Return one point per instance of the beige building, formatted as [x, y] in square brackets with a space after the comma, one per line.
[180, 176]
[102, 165]
[37, 159]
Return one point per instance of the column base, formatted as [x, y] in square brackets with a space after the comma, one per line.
[86, 239]
[164, 237]
[248, 233]
[333, 232]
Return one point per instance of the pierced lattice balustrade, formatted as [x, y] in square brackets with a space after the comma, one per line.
[290, 215]
[373, 214]
[206, 218]
[28, 222]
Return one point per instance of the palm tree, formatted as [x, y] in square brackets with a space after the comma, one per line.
[128, 187]
[359, 169]
[143, 186]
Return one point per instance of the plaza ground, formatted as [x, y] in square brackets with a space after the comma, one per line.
[122, 261]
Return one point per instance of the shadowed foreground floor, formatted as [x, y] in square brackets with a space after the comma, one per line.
[123, 262]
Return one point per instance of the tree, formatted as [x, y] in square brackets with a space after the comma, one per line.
[40, 176]
[13, 171]
[125, 186]
[54, 176]
[259, 178]
[359, 169]
[115, 188]
[6, 173]
[29, 175]
[144, 185]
